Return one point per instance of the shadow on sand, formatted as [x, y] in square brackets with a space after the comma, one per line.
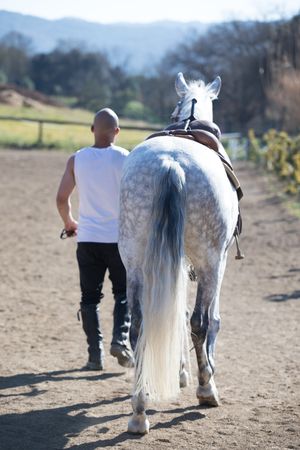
[31, 379]
[186, 416]
[52, 428]
[284, 297]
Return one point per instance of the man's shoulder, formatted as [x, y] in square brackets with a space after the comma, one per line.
[120, 151]
[81, 150]
[82, 153]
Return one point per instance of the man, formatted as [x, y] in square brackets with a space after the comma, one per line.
[96, 172]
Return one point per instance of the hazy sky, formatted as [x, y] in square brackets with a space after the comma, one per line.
[153, 10]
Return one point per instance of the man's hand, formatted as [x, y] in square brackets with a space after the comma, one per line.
[71, 227]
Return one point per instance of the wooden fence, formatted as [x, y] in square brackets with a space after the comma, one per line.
[41, 122]
[235, 144]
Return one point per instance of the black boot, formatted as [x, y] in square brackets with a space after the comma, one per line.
[91, 327]
[120, 345]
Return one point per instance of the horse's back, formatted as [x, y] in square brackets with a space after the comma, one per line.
[206, 179]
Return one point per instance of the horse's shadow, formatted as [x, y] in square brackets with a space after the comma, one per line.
[52, 428]
[32, 379]
[186, 416]
[284, 297]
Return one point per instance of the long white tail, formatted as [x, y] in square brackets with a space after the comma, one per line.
[163, 335]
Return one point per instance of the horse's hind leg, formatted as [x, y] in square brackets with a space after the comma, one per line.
[205, 322]
[183, 374]
[136, 319]
[138, 423]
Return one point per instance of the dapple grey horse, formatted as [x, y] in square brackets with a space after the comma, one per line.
[176, 205]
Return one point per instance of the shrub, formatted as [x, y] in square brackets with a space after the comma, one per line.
[280, 153]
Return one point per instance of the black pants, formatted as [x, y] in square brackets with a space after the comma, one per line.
[93, 261]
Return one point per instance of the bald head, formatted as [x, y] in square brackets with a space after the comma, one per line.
[105, 126]
[106, 120]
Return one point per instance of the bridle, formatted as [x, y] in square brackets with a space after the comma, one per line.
[188, 120]
[175, 114]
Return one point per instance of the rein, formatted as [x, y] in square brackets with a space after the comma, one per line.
[66, 234]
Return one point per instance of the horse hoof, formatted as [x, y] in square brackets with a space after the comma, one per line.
[183, 381]
[209, 401]
[208, 395]
[138, 425]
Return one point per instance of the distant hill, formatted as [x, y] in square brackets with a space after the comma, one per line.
[140, 45]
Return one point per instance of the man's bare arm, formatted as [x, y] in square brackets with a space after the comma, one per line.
[63, 197]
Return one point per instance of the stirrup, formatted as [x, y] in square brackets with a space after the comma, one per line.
[239, 254]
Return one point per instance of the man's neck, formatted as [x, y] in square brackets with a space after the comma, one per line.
[103, 143]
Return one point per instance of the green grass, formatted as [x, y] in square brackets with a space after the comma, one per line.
[47, 112]
[67, 137]
[293, 207]
[291, 203]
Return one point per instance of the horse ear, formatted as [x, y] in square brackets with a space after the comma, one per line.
[214, 88]
[180, 85]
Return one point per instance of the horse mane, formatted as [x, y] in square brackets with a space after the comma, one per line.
[197, 90]
[196, 84]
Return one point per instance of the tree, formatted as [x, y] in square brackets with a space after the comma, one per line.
[74, 73]
[283, 107]
[20, 41]
[15, 59]
[284, 76]
[236, 51]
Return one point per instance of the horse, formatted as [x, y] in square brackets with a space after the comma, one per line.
[177, 208]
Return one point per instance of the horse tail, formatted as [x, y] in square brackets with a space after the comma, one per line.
[163, 336]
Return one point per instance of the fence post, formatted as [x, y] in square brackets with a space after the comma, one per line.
[40, 135]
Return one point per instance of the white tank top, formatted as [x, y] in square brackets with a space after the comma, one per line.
[97, 175]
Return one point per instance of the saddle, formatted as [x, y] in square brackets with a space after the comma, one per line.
[208, 134]
[205, 125]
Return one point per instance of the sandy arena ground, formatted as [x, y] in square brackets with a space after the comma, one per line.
[48, 402]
